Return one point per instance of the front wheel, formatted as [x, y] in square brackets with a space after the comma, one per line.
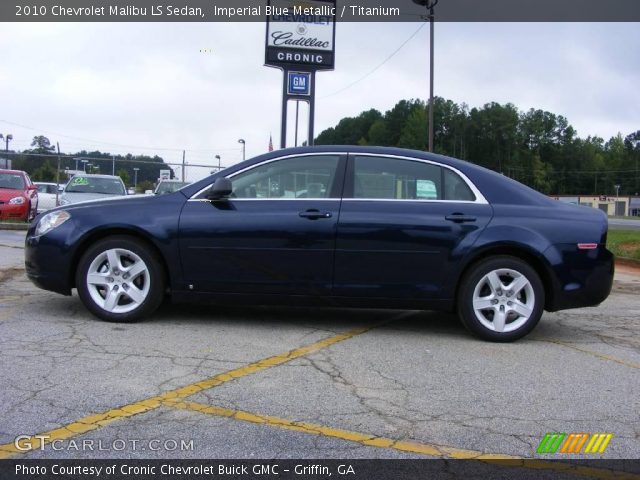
[120, 280]
[501, 299]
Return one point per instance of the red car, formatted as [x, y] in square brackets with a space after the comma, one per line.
[18, 196]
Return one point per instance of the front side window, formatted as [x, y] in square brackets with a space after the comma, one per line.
[396, 179]
[297, 177]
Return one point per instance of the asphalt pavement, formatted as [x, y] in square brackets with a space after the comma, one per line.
[213, 382]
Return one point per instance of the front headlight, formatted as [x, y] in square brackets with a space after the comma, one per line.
[17, 201]
[51, 221]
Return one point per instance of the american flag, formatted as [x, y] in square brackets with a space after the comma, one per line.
[270, 143]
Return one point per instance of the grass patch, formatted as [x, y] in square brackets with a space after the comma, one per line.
[624, 243]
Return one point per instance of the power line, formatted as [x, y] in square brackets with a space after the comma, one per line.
[98, 142]
[378, 66]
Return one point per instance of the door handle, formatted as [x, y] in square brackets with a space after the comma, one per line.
[314, 214]
[460, 218]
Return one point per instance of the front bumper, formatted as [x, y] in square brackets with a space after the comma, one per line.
[48, 262]
[14, 212]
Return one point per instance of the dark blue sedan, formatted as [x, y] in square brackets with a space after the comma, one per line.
[334, 226]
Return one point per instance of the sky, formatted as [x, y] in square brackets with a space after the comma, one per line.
[160, 88]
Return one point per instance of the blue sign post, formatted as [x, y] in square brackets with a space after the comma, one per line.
[299, 83]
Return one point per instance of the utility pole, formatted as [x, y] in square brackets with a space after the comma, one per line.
[113, 164]
[58, 175]
[183, 155]
[430, 4]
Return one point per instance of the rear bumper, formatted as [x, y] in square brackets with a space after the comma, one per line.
[580, 278]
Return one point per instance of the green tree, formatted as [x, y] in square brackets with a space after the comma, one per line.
[45, 173]
[42, 144]
[124, 175]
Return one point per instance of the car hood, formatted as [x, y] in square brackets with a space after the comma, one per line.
[7, 194]
[76, 197]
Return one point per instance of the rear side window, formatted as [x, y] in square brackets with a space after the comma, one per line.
[396, 179]
[455, 188]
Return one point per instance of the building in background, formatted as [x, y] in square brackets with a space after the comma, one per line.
[612, 206]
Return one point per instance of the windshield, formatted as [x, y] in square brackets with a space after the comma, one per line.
[169, 187]
[14, 181]
[107, 186]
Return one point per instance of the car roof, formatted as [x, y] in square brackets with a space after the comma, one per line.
[20, 172]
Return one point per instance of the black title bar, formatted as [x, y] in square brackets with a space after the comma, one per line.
[346, 11]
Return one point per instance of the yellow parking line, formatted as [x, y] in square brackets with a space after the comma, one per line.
[93, 422]
[429, 449]
[602, 356]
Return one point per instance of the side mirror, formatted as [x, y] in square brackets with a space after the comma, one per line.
[221, 189]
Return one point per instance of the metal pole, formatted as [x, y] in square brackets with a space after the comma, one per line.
[283, 120]
[58, 175]
[183, 154]
[297, 112]
[113, 164]
[431, 24]
[312, 108]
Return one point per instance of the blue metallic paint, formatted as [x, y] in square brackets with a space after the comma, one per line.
[386, 253]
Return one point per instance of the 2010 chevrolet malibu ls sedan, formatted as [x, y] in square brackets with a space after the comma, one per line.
[334, 226]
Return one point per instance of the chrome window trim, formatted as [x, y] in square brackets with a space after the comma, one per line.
[264, 163]
[480, 198]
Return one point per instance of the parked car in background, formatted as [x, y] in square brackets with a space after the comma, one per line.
[336, 226]
[47, 195]
[18, 196]
[81, 188]
[169, 186]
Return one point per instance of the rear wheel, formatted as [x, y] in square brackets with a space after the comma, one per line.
[119, 279]
[501, 299]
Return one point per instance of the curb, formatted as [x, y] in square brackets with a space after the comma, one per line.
[14, 226]
[628, 262]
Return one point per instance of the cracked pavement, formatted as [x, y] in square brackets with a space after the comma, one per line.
[419, 377]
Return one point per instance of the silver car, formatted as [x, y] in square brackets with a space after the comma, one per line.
[85, 187]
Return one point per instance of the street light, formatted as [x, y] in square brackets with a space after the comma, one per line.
[5, 164]
[244, 145]
[219, 162]
[430, 4]
[135, 177]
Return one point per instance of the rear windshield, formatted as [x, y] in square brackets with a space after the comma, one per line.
[14, 181]
[110, 186]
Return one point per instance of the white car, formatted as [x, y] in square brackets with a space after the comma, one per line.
[92, 187]
[46, 195]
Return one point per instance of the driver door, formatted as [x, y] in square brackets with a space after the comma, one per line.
[274, 235]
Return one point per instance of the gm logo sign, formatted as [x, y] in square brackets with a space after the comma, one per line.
[299, 83]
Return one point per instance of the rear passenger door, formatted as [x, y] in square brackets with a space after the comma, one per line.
[402, 224]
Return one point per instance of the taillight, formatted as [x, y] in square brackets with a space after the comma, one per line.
[587, 246]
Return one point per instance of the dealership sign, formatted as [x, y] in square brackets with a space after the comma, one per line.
[300, 33]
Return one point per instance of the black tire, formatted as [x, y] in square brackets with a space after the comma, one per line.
[151, 281]
[515, 325]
